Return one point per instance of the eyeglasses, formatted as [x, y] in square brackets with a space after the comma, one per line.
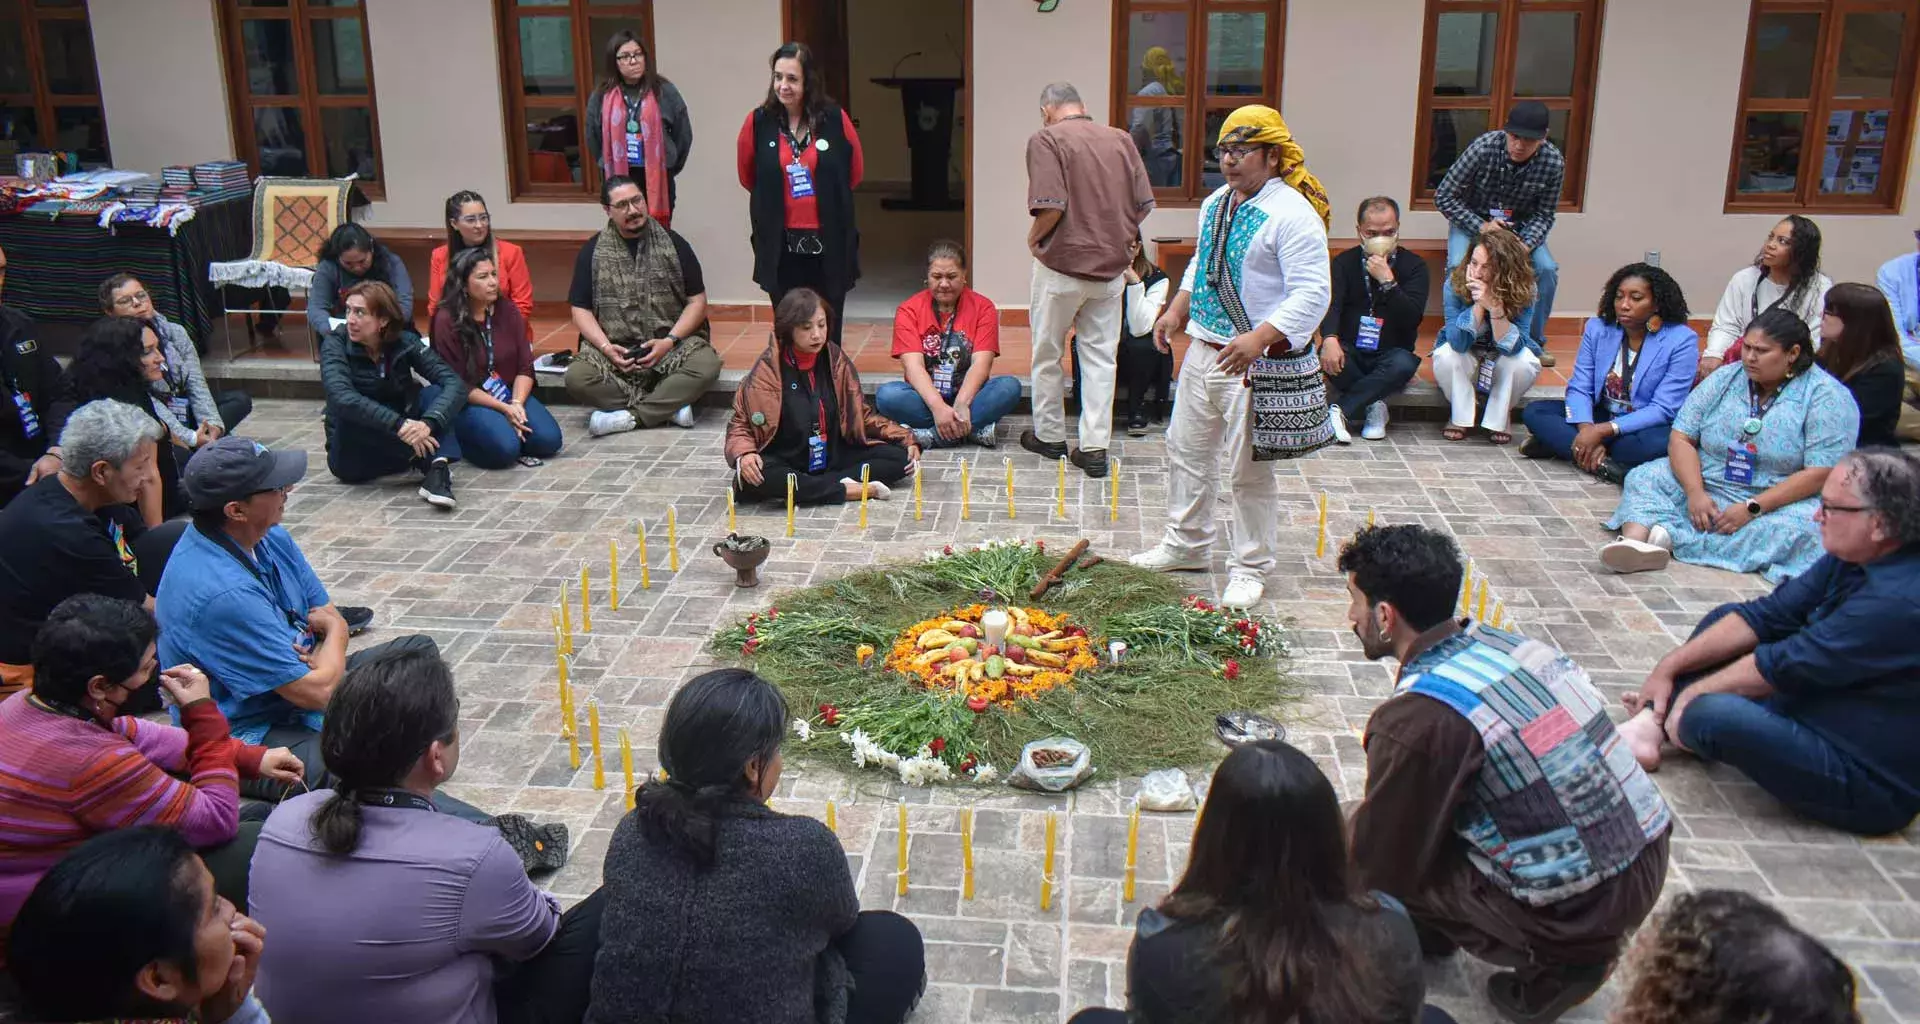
[475, 220]
[630, 58]
[1832, 509]
[123, 302]
[1234, 153]
[627, 205]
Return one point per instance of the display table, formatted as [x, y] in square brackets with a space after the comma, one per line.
[55, 266]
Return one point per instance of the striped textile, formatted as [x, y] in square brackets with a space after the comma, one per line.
[1561, 804]
[63, 780]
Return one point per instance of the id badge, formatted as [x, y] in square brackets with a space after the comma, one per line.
[180, 407]
[816, 454]
[799, 181]
[497, 388]
[1483, 378]
[1369, 339]
[943, 379]
[1498, 214]
[636, 156]
[29, 420]
[1739, 464]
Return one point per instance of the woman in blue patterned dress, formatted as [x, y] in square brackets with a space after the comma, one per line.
[1748, 455]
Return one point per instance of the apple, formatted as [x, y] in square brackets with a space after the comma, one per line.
[957, 655]
[987, 649]
[1017, 655]
[969, 631]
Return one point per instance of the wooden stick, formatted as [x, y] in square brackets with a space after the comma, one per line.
[1053, 575]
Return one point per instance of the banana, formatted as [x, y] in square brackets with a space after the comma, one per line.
[1019, 615]
[958, 674]
[927, 660]
[976, 671]
[1051, 634]
[1057, 645]
[953, 626]
[935, 638]
[1021, 670]
[1045, 660]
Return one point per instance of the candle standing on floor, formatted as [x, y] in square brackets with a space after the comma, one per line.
[1480, 613]
[866, 480]
[833, 825]
[1060, 491]
[593, 730]
[1010, 512]
[793, 482]
[903, 848]
[613, 575]
[966, 488]
[966, 853]
[1046, 873]
[918, 475]
[626, 764]
[586, 601]
[732, 526]
[673, 541]
[566, 616]
[646, 574]
[1133, 851]
[1320, 545]
[1114, 467]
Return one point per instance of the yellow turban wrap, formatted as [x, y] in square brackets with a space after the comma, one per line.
[1262, 126]
[1159, 63]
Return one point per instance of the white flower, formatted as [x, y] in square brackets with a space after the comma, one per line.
[919, 771]
[984, 774]
[802, 729]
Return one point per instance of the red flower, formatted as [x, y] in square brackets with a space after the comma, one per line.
[969, 764]
[1040, 545]
[1232, 670]
[939, 744]
[829, 714]
[773, 612]
[749, 647]
[948, 550]
[977, 705]
[751, 630]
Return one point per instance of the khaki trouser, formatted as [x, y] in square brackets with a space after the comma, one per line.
[1909, 428]
[1092, 310]
[1210, 421]
[594, 383]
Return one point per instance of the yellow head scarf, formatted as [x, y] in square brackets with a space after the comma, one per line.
[1263, 126]
[1158, 63]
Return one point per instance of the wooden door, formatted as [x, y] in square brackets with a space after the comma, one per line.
[822, 25]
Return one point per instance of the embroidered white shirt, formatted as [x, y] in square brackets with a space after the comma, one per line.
[1286, 277]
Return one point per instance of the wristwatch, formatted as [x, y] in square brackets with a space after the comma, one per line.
[674, 339]
[1753, 507]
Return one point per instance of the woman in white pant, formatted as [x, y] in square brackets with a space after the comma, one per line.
[1483, 348]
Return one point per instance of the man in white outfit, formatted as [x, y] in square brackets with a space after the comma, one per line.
[1263, 247]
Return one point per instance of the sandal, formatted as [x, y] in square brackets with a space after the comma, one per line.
[1499, 437]
[1453, 433]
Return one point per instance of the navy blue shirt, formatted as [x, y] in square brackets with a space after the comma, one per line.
[1837, 645]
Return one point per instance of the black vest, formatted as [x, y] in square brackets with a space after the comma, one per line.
[833, 188]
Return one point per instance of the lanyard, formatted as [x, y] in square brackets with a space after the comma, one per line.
[486, 335]
[1627, 364]
[806, 381]
[798, 143]
[1753, 306]
[946, 329]
[633, 109]
[1757, 410]
[393, 798]
[62, 708]
[270, 579]
[1373, 286]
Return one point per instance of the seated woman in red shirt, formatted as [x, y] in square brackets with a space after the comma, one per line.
[470, 226]
[946, 339]
[485, 342]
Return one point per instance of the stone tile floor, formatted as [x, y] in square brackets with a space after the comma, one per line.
[482, 579]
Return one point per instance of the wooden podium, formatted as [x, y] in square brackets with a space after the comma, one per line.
[928, 105]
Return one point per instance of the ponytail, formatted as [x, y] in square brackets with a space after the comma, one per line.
[336, 825]
[385, 715]
[717, 725]
[684, 818]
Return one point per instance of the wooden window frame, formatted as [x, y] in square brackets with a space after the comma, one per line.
[1500, 97]
[309, 102]
[1806, 196]
[42, 98]
[1197, 103]
[586, 73]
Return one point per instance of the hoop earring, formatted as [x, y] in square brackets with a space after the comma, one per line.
[1654, 325]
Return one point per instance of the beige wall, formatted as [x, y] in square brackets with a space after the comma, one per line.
[162, 81]
[880, 33]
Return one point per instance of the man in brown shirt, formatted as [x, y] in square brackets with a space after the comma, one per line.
[1088, 193]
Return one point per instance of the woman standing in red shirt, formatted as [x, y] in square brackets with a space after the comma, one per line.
[800, 158]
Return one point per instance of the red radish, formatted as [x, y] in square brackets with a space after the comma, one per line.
[977, 705]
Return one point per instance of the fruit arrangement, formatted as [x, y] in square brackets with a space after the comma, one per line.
[952, 652]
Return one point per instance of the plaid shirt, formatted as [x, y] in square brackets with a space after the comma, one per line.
[1483, 179]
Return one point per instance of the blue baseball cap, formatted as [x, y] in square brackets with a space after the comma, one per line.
[237, 468]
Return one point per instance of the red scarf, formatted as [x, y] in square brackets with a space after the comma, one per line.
[613, 147]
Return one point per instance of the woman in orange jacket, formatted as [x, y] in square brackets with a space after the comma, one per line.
[800, 413]
[469, 226]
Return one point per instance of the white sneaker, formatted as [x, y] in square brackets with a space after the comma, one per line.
[1338, 420]
[1659, 537]
[1161, 558]
[1376, 428]
[684, 417]
[1624, 556]
[610, 421]
[1242, 592]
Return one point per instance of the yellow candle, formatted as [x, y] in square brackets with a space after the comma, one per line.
[1320, 545]
[613, 575]
[966, 483]
[1060, 495]
[1133, 851]
[572, 733]
[1046, 873]
[1010, 512]
[593, 734]
[566, 616]
[626, 764]
[792, 482]
[1466, 589]
[866, 477]
[1481, 611]
[917, 475]
[1114, 466]
[586, 602]
[966, 853]
[646, 574]
[1369, 517]
[833, 823]
[732, 527]
[903, 848]
[673, 542]
[1499, 616]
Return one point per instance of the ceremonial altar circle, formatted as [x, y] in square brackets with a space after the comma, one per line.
[941, 670]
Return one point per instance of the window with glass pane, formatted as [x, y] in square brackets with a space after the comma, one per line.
[49, 81]
[302, 89]
[550, 65]
[1843, 69]
[1180, 66]
[1482, 57]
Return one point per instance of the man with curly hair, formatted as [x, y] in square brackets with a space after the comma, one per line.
[1725, 956]
[1814, 690]
[1502, 808]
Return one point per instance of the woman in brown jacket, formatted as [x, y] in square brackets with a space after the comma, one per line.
[799, 413]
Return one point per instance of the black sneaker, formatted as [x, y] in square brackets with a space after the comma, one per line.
[1046, 449]
[1534, 448]
[1136, 425]
[436, 487]
[1092, 460]
[358, 619]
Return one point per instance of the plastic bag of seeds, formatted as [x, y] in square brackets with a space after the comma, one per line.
[1167, 790]
[1052, 765]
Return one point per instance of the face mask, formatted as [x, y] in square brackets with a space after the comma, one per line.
[1380, 245]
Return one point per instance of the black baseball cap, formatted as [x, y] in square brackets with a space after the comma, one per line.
[237, 468]
[1527, 120]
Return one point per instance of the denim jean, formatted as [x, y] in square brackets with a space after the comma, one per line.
[899, 402]
[1370, 377]
[488, 441]
[358, 454]
[1798, 766]
[1547, 419]
[1546, 274]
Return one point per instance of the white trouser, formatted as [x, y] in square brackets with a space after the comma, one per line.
[1209, 418]
[1092, 309]
[1453, 370]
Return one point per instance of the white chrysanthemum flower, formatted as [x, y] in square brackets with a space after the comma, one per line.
[919, 771]
[984, 774]
[803, 729]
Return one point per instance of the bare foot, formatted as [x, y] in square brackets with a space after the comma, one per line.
[1644, 734]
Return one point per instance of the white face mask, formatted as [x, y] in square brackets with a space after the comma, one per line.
[1380, 245]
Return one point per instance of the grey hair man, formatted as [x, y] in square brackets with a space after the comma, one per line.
[1087, 190]
[73, 532]
[1814, 690]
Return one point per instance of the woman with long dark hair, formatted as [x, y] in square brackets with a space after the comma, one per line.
[1266, 926]
[637, 125]
[800, 413]
[390, 901]
[1861, 348]
[800, 158]
[352, 256]
[723, 909]
[470, 226]
[121, 359]
[1785, 275]
[485, 341]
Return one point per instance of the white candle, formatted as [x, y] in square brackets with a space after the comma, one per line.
[993, 627]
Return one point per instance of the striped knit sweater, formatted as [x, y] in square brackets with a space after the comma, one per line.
[63, 780]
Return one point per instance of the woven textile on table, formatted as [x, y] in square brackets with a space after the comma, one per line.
[1289, 407]
[292, 219]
